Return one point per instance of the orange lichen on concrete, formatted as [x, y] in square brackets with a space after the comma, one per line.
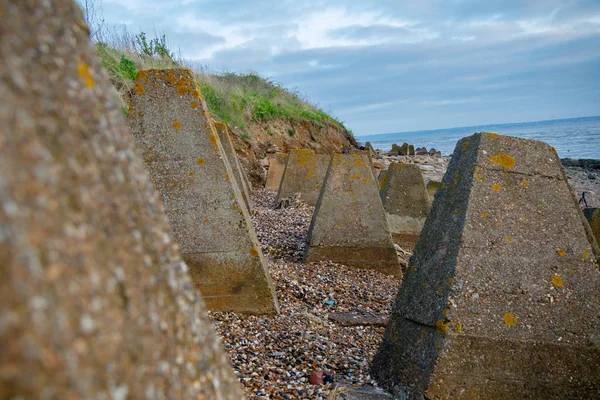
[509, 239]
[191, 173]
[306, 156]
[139, 89]
[484, 215]
[85, 72]
[253, 252]
[213, 141]
[503, 160]
[200, 161]
[194, 104]
[510, 319]
[478, 177]
[561, 252]
[464, 145]
[358, 162]
[176, 125]
[227, 177]
[441, 326]
[458, 327]
[496, 187]
[524, 183]
[557, 281]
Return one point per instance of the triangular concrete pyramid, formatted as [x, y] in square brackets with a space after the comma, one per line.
[172, 128]
[304, 173]
[405, 201]
[349, 224]
[501, 298]
[95, 302]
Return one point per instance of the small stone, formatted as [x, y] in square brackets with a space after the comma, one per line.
[316, 378]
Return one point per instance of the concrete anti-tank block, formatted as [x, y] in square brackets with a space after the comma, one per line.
[276, 168]
[304, 173]
[172, 128]
[95, 301]
[406, 202]
[502, 295]
[225, 139]
[349, 224]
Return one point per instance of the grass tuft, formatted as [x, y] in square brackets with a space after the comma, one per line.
[234, 98]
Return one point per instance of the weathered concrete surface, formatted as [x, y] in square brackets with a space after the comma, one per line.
[231, 157]
[95, 302]
[349, 225]
[501, 299]
[304, 173]
[184, 155]
[593, 217]
[405, 201]
[432, 188]
[276, 167]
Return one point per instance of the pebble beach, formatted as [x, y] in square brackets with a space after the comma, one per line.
[302, 353]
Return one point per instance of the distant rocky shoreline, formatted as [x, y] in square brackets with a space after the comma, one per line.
[583, 174]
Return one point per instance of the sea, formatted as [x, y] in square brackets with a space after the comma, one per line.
[572, 137]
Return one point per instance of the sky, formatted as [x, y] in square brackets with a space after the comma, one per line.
[394, 66]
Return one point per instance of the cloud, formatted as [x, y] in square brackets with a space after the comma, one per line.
[396, 65]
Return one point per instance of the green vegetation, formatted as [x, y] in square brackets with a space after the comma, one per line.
[234, 98]
[238, 98]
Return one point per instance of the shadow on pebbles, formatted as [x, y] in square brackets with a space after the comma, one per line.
[275, 356]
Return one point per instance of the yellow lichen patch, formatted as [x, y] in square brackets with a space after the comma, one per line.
[139, 89]
[200, 161]
[457, 327]
[484, 215]
[206, 220]
[496, 187]
[524, 183]
[85, 73]
[510, 319]
[557, 281]
[478, 177]
[176, 125]
[253, 252]
[191, 173]
[561, 252]
[440, 292]
[503, 160]
[194, 104]
[586, 255]
[196, 93]
[227, 177]
[492, 134]
[509, 239]
[441, 326]
[464, 145]
[358, 162]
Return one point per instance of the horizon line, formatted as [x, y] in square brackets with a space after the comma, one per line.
[480, 126]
